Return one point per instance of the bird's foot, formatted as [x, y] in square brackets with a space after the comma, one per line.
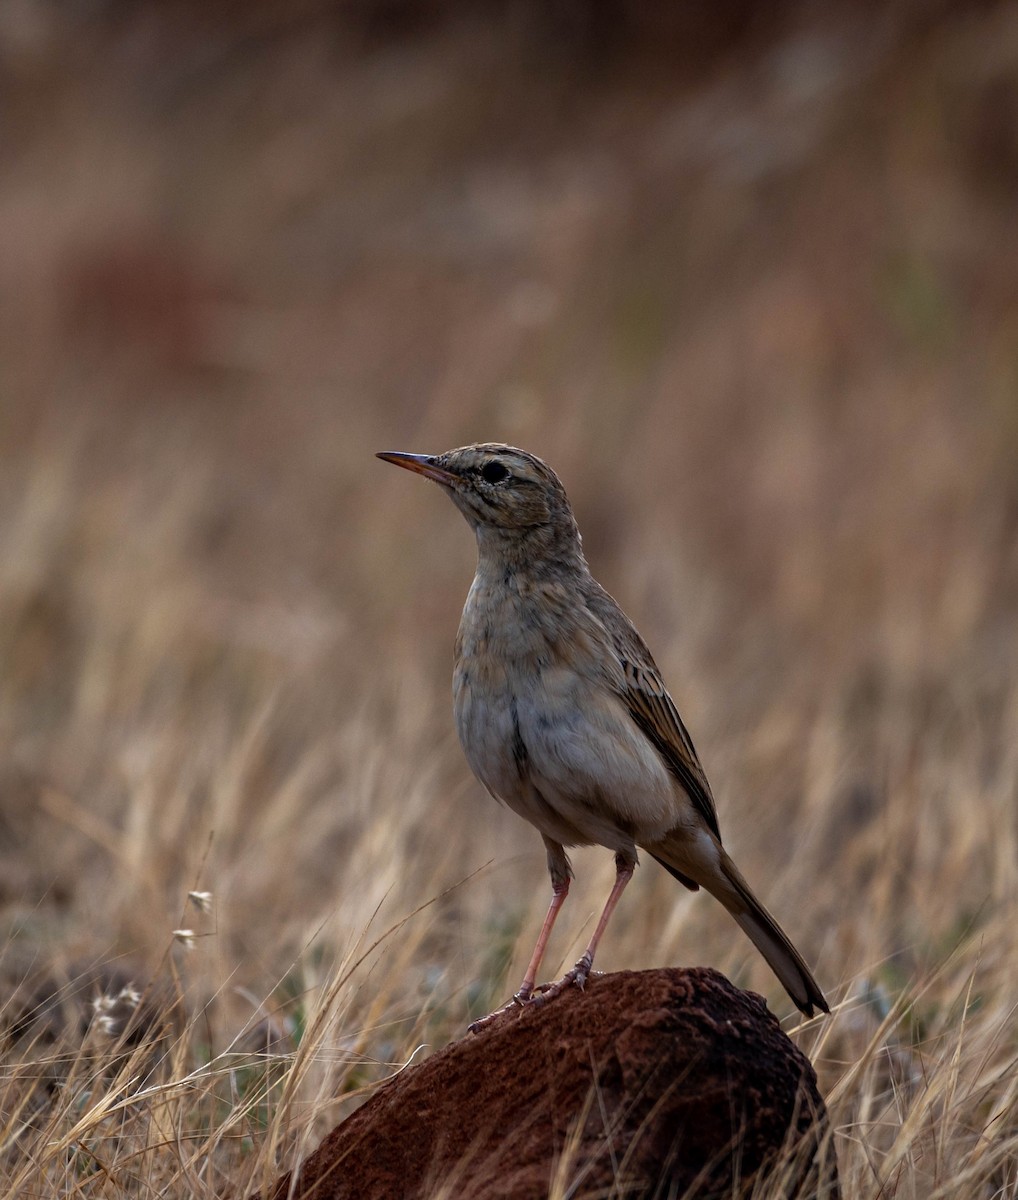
[538, 995]
[577, 977]
[522, 998]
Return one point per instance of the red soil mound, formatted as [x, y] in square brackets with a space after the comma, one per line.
[645, 1084]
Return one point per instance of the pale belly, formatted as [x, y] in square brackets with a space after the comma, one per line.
[561, 750]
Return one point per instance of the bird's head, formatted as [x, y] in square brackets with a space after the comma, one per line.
[502, 491]
[492, 484]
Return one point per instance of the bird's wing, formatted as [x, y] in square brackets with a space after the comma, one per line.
[643, 690]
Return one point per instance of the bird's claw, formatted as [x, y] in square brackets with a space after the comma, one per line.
[577, 977]
[539, 995]
[522, 998]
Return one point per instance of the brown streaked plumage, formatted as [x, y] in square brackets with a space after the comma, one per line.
[563, 714]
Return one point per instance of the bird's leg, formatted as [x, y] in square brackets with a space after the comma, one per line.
[625, 865]
[559, 891]
[560, 871]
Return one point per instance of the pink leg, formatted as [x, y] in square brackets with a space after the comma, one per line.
[624, 868]
[558, 868]
[558, 897]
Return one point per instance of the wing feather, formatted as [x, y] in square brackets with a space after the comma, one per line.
[640, 686]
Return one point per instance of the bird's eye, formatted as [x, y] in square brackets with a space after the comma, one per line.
[494, 472]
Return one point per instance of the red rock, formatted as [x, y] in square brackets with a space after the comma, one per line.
[649, 1083]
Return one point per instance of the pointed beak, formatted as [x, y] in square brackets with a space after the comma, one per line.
[420, 464]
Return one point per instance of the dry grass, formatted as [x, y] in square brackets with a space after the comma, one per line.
[762, 322]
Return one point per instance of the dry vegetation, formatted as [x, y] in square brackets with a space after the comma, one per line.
[762, 316]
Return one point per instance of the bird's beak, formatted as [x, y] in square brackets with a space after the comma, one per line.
[421, 464]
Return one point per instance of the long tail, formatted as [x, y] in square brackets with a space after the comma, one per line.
[725, 882]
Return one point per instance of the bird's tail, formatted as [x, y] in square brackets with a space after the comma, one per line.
[727, 885]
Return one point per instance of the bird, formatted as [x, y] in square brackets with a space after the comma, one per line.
[564, 717]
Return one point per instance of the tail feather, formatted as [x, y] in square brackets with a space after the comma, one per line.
[725, 882]
[770, 939]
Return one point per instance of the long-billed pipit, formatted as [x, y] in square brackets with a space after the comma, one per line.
[563, 714]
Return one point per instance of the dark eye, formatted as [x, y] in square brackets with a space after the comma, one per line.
[494, 472]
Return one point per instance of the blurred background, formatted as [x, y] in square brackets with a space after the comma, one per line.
[745, 275]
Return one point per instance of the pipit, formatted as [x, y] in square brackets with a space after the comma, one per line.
[564, 717]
